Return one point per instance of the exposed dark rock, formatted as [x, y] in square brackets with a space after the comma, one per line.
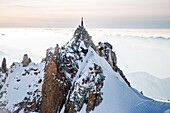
[26, 105]
[84, 94]
[105, 50]
[40, 81]
[4, 66]
[55, 87]
[26, 60]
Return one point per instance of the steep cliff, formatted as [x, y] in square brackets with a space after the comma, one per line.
[55, 87]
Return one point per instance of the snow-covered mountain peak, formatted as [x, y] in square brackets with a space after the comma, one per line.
[76, 63]
[76, 77]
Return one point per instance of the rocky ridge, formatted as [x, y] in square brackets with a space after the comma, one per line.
[72, 88]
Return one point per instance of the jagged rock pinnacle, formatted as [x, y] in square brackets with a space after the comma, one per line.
[26, 60]
[82, 22]
[4, 68]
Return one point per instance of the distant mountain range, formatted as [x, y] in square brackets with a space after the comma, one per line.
[150, 85]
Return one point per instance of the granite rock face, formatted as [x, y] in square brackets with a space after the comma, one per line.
[55, 87]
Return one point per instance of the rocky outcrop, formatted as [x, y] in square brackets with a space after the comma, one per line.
[3, 74]
[105, 50]
[55, 87]
[26, 60]
[4, 66]
[86, 92]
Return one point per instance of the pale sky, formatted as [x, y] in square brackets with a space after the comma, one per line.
[97, 13]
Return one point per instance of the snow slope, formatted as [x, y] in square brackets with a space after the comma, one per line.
[117, 96]
[151, 86]
[22, 84]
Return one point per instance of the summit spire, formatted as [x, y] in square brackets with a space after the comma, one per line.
[82, 21]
